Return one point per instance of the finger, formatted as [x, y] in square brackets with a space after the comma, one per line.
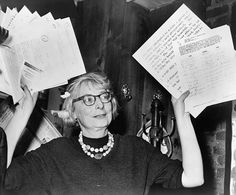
[173, 99]
[35, 97]
[184, 95]
[26, 89]
[26, 94]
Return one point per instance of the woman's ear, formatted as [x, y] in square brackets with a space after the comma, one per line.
[74, 116]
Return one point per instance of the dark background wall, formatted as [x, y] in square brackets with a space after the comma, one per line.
[59, 8]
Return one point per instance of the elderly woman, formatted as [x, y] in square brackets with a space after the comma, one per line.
[98, 162]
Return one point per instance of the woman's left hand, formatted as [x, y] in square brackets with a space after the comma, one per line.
[192, 164]
[179, 105]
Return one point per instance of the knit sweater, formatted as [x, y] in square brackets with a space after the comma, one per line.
[61, 167]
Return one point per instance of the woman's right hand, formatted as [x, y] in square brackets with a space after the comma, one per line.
[17, 124]
[27, 103]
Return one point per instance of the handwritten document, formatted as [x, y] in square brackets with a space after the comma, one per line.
[157, 56]
[184, 54]
[207, 67]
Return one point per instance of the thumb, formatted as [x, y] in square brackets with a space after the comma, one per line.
[35, 97]
[180, 98]
[184, 95]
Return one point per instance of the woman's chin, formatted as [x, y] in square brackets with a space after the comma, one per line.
[100, 124]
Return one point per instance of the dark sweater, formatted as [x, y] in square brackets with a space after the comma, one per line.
[61, 167]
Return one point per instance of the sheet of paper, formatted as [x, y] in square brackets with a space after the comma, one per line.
[5, 85]
[44, 56]
[13, 72]
[207, 66]
[31, 30]
[69, 46]
[9, 17]
[21, 18]
[196, 111]
[45, 133]
[156, 55]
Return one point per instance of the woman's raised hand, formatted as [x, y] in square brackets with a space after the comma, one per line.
[19, 120]
[27, 103]
[179, 105]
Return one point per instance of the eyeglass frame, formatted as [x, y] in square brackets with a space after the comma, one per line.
[94, 97]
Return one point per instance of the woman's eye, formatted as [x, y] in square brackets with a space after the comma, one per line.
[89, 98]
[105, 96]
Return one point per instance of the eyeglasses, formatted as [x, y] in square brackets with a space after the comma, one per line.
[90, 100]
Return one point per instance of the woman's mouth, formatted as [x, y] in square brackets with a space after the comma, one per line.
[100, 116]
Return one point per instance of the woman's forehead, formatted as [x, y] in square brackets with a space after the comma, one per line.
[90, 88]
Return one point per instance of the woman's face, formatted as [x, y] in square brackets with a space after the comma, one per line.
[96, 117]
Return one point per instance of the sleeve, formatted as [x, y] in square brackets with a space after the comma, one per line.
[29, 171]
[3, 158]
[165, 171]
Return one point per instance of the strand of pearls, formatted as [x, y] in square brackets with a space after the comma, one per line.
[97, 153]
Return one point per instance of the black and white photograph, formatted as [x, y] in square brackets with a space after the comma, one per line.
[117, 97]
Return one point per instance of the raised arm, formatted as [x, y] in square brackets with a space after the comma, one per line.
[18, 122]
[192, 159]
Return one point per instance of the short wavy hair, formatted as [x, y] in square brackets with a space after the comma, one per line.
[96, 79]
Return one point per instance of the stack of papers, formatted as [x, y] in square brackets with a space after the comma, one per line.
[40, 52]
[185, 54]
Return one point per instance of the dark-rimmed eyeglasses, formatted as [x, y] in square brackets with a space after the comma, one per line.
[90, 100]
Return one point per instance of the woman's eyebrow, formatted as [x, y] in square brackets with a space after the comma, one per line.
[95, 94]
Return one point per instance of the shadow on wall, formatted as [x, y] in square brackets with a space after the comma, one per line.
[58, 8]
[233, 23]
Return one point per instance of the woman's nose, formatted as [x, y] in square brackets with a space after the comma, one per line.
[98, 103]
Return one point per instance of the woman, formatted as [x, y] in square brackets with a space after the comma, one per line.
[98, 162]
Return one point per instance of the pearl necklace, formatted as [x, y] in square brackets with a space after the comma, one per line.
[97, 153]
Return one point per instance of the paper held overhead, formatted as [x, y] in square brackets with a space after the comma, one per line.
[41, 52]
[180, 65]
[207, 67]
